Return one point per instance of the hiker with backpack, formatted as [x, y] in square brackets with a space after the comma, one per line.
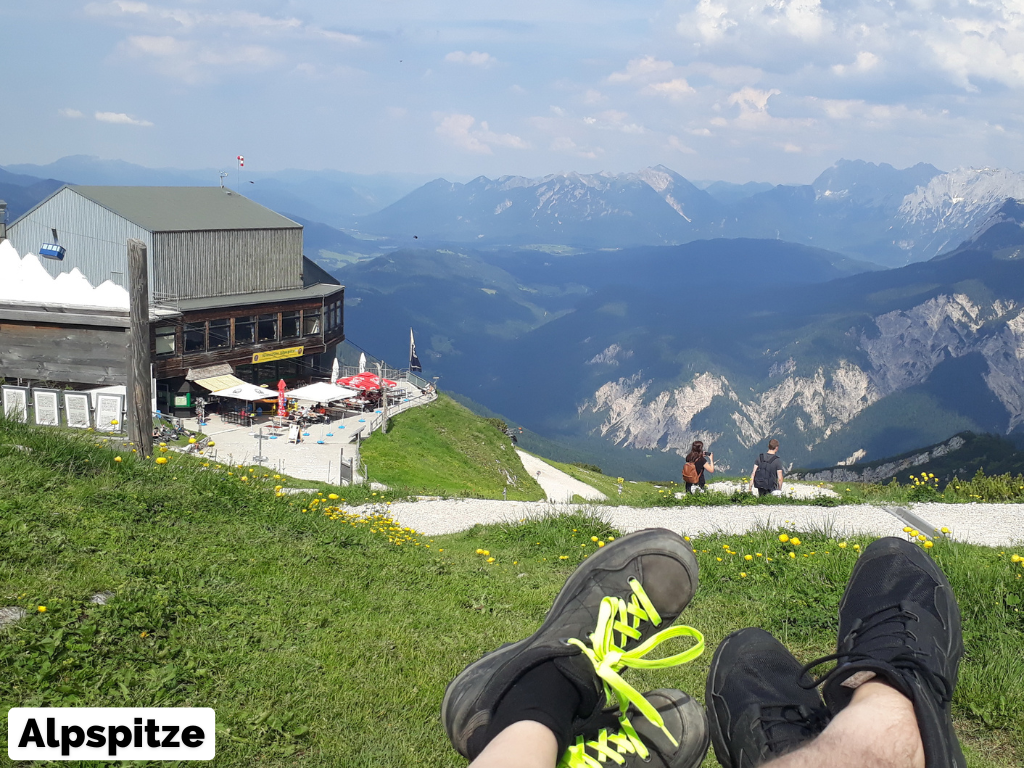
[766, 476]
[697, 462]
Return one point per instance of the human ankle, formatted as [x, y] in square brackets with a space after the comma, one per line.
[882, 711]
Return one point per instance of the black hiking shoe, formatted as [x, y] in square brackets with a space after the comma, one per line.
[643, 581]
[899, 622]
[756, 706]
[636, 741]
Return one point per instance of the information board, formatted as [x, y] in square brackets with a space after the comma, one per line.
[46, 407]
[15, 401]
[76, 410]
[108, 412]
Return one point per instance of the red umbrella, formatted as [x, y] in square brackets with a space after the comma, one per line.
[282, 402]
[366, 381]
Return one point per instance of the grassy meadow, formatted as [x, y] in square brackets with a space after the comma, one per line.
[324, 634]
[443, 449]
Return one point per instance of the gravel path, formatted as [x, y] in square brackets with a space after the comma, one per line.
[557, 485]
[992, 524]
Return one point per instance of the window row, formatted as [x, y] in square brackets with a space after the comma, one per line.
[214, 335]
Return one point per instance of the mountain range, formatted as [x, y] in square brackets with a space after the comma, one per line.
[728, 341]
[867, 211]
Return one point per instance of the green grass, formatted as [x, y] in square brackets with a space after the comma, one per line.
[444, 449]
[320, 641]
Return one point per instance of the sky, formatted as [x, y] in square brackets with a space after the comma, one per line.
[737, 90]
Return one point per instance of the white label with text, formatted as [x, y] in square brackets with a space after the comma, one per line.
[113, 733]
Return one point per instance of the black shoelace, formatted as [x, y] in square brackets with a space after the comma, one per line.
[904, 660]
[790, 726]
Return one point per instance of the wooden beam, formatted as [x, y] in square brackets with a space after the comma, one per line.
[140, 394]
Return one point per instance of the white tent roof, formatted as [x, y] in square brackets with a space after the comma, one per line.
[322, 392]
[246, 392]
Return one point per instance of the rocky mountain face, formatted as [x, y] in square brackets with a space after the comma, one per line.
[937, 215]
[891, 353]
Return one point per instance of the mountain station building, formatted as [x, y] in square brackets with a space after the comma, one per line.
[230, 292]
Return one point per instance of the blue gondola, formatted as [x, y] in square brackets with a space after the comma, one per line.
[52, 251]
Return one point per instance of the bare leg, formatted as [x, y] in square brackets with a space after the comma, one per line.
[525, 744]
[878, 729]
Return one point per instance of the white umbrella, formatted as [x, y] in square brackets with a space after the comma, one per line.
[322, 392]
[335, 370]
[246, 392]
[362, 362]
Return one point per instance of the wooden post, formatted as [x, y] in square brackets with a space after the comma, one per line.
[140, 395]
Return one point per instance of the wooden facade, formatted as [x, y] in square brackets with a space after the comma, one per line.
[224, 342]
[81, 347]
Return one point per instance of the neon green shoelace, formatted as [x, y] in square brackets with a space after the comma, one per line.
[610, 658]
[607, 746]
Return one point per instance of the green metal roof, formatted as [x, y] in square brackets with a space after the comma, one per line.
[185, 209]
[319, 291]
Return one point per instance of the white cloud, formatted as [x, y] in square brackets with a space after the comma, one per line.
[473, 59]
[71, 113]
[567, 145]
[593, 96]
[715, 20]
[639, 69]
[615, 120]
[751, 100]
[864, 62]
[194, 61]
[791, 148]
[672, 89]
[459, 130]
[120, 118]
[675, 143]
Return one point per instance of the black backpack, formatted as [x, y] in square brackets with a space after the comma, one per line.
[766, 477]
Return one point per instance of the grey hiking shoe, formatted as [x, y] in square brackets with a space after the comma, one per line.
[616, 599]
[633, 741]
[756, 706]
[899, 622]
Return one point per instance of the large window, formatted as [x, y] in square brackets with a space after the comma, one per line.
[267, 328]
[245, 330]
[165, 340]
[311, 322]
[195, 337]
[289, 325]
[219, 334]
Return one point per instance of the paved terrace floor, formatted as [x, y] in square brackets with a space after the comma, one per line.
[316, 458]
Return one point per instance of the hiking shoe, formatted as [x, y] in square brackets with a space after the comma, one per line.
[614, 603]
[757, 708]
[899, 622]
[646, 745]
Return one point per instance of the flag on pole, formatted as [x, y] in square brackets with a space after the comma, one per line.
[241, 161]
[414, 362]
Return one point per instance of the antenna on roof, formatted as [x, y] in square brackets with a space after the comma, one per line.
[222, 177]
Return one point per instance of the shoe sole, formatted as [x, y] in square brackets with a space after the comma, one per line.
[604, 558]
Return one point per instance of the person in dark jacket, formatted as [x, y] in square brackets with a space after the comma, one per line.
[771, 476]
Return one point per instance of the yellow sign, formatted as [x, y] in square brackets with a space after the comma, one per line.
[277, 354]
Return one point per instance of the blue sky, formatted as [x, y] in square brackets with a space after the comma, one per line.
[741, 90]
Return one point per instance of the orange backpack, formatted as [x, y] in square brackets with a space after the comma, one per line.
[690, 474]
